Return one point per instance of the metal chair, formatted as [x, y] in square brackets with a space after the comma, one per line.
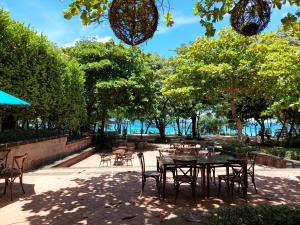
[13, 172]
[148, 174]
[185, 172]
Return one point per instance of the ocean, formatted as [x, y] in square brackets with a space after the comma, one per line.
[134, 127]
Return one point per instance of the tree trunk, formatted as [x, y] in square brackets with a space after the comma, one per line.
[262, 128]
[178, 126]
[102, 127]
[9, 122]
[161, 128]
[281, 130]
[235, 117]
[142, 128]
[291, 130]
[148, 126]
[194, 134]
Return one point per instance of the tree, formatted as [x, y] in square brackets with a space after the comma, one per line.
[34, 69]
[217, 69]
[209, 11]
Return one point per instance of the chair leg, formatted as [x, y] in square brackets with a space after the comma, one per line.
[11, 184]
[194, 192]
[219, 187]
[143, 184]
[232, 187]
[158, 185]
[253, 182]
[5, 186]
[228, 187]
[176, 194]
[214, 175]
[21, 182]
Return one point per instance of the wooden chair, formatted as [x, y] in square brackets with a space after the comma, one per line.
[13, 172]
[236, 176]
[105, 159]
[185, 172]
[3, 158]
[251, 157]
[148, 174]
[170, 168]
[128, 157]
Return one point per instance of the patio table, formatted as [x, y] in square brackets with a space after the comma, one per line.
[167, 161]
[119, 156]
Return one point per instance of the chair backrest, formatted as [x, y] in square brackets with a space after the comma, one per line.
[187, 169]
[251, 159]
[129, 155]
[142, 161]
[103, 156]
[18, 162]
[237, 166]
[3, 157]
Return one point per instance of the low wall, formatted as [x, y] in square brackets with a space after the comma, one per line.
[43, 151]
[272, 161]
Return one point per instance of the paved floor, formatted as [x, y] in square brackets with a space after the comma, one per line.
[88, 194]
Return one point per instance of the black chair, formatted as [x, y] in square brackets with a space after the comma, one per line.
[250, 170]
[236, 176]
[146, 174]
[186, 172]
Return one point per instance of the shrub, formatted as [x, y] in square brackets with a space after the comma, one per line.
[238, 148]
[289, 153]
[293, 141]
[261, 215]
[22, 135]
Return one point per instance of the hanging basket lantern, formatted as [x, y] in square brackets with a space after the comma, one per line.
[133, 21]
[250, 17]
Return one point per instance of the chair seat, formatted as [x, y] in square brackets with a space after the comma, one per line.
[184, 178]
[153, 174]
[225, 177]
[8, 172]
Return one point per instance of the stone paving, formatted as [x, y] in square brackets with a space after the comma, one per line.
[88, 194]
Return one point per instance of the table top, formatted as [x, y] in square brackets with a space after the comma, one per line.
[217, 159]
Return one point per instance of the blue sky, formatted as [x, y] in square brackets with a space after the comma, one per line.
[46, 16]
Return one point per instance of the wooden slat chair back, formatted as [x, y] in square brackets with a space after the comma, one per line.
[15, 171]
[3, 158]
[185, 172]
[251, 157]
[236, 176]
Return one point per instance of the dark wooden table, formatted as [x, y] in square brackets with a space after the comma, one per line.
[167, 162]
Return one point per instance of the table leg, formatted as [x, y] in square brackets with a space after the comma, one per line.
[164, 182]
[245, 180]
[203, 181]
[207, 180]
[157, 166]
[227, 180]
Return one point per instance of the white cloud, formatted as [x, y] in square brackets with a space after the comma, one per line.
[93, 38]
[178, 22]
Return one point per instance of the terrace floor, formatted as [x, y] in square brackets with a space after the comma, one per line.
[88, 194]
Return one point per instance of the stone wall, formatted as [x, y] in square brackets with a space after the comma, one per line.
[272, 161]
[43, 151]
